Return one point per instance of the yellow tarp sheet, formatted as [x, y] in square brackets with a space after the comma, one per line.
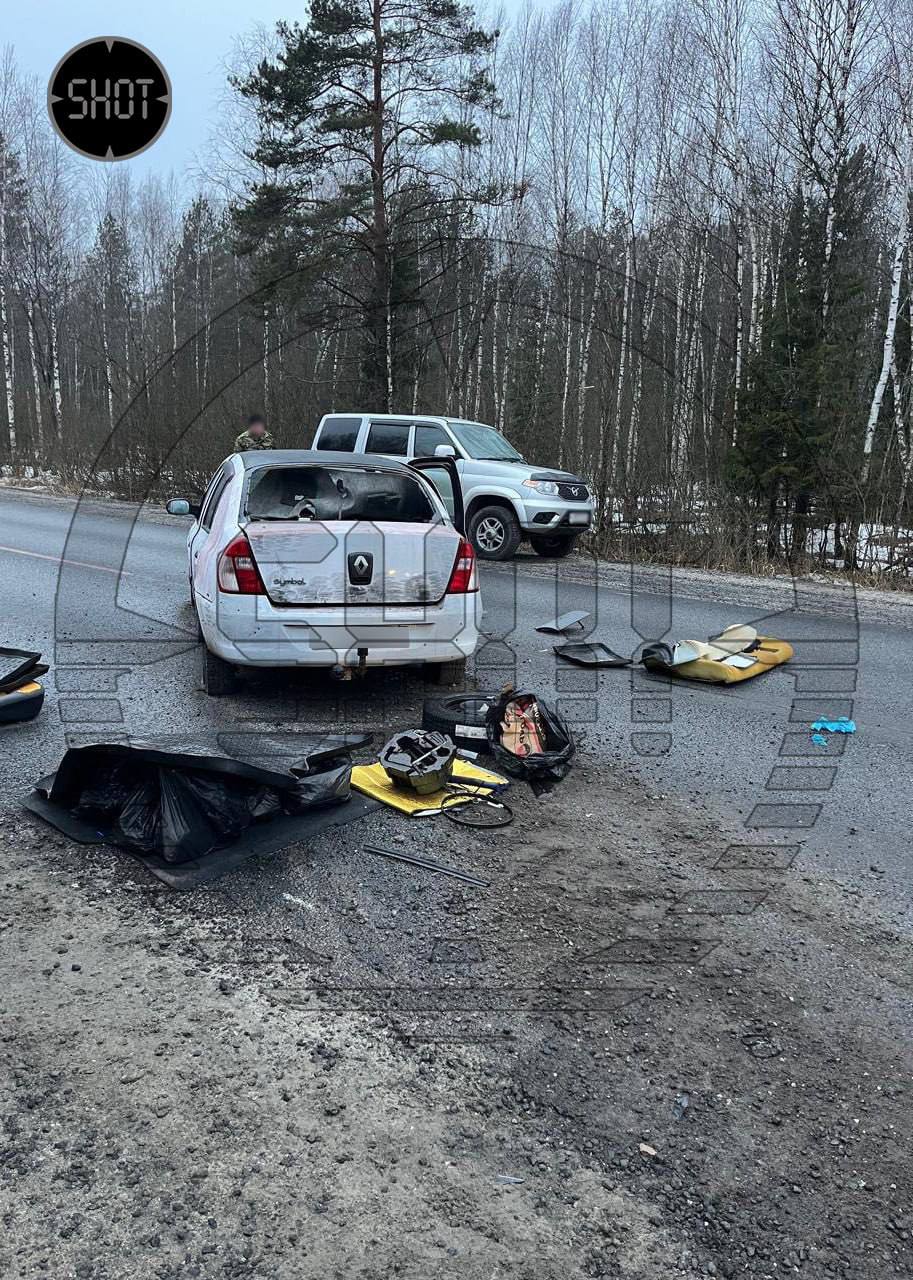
[373, 780]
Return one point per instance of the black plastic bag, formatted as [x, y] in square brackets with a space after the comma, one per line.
[137, 819]
[331, 786]
[180, 805]
[541, 769]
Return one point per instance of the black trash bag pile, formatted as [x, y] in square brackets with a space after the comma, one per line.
[180, 805]
[541, 768]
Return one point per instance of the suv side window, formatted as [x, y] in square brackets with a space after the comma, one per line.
[427, 439]
[388, 437]
[216, 489]
[339, 434]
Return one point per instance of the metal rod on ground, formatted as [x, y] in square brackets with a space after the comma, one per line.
[426, 865]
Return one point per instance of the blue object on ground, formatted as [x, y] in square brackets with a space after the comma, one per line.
[843, 725]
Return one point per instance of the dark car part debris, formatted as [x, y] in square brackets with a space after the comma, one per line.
[461, 717]
[17, 666]
[591, 654]
[564, 623]
[21, 704]
[21, 696]
[419, 760]
[529, 739]
[188, 810]
[427, 865]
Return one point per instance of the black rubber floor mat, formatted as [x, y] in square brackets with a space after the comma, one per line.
[591, 654]
[27, 677]
[15, 663]
[255, 841]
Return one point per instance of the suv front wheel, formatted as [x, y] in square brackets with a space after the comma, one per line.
[495, 533]
[555, 547]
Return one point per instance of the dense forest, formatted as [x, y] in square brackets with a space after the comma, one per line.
[663, 243]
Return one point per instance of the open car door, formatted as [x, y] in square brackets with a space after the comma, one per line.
[443, 474]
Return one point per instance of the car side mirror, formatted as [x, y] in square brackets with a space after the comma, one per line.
[181, 507]
[444, 451]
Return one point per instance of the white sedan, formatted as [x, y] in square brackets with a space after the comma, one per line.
[316, 559]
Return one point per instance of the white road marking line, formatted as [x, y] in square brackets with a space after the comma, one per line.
[78, 564]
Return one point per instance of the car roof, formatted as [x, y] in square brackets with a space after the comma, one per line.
[251, 459]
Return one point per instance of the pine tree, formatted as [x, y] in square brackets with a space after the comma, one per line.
[800, 417]
[356, 114]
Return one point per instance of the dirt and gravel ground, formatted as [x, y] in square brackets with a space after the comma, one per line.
[645, 1052]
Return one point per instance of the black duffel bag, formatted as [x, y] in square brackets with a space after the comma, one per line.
[541, 769]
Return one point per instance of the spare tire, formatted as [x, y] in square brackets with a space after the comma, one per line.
[462, 716]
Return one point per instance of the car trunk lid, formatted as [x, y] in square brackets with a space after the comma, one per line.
[341, 562]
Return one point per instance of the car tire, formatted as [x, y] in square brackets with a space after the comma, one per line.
[219, 676]
[495, 533]
[462, 716]
[446, 672]
[556, 547]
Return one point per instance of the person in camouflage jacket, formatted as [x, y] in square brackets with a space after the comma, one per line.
[255, 437]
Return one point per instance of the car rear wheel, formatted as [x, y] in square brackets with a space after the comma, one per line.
[556, 547]
[219, 676]
[495, 533]
[446, 672]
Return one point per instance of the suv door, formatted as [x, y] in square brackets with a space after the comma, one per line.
[427, 436]
[388, 439]
[443, 474]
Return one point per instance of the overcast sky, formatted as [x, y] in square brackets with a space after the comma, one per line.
[192, 38]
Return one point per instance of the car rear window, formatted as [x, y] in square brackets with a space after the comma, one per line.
[388, 437]
[339, 434]
[331, 493]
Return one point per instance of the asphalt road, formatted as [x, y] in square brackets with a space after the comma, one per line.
[105, 599]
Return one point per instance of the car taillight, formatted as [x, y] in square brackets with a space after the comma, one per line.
[464, 577]
[237, 572]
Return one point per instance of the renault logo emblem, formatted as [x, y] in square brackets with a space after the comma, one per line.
[361, 567]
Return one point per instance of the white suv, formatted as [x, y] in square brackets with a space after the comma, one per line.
[507, 499]
[321, 559]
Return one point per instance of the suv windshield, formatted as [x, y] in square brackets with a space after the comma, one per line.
[484, 443]
[337, 493]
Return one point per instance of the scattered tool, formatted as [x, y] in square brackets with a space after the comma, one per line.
[475, 807]
[427, 865]
[564, 623]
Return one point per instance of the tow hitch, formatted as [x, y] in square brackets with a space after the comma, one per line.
[340, 672]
